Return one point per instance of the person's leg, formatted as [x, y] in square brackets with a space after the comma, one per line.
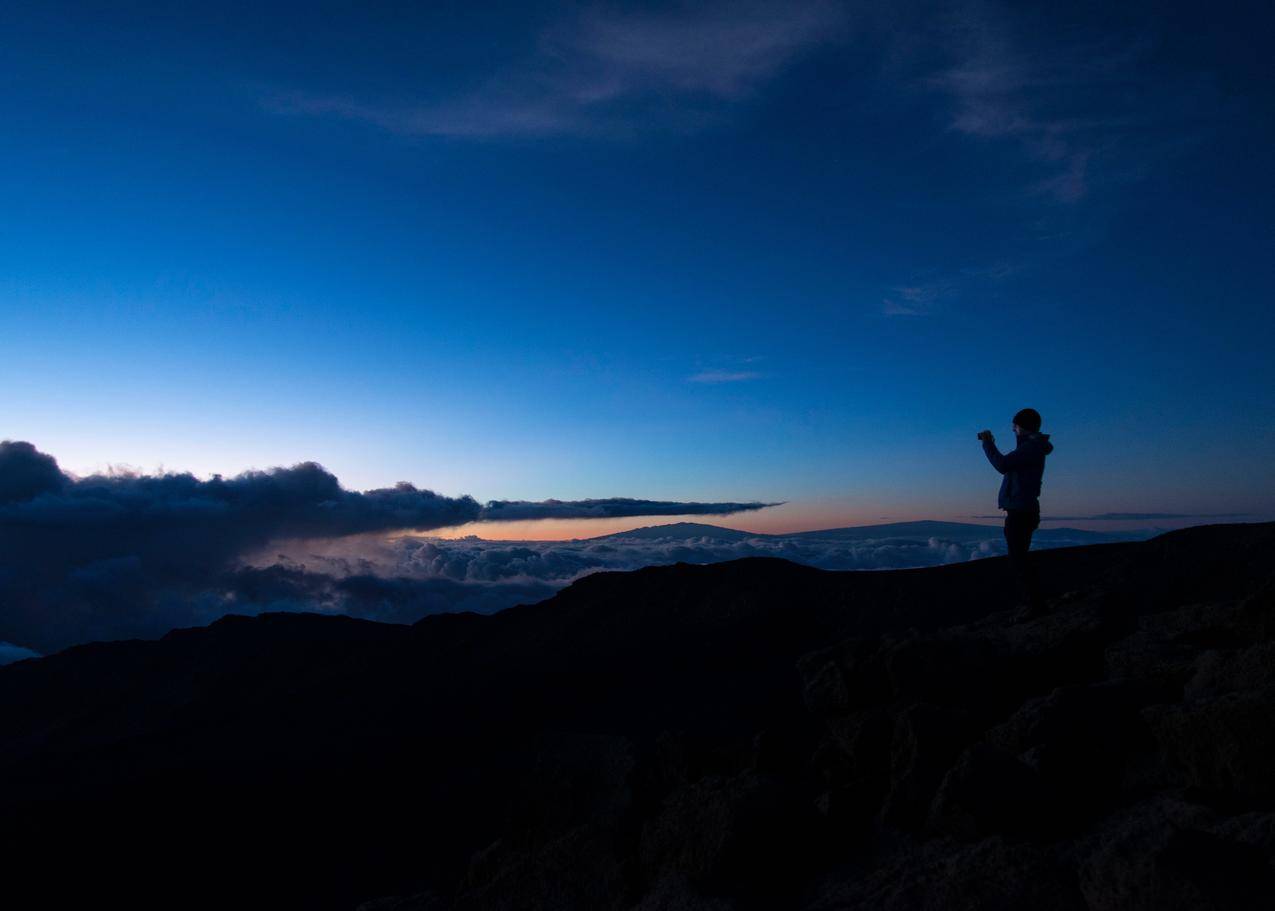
[1019, 526]
[1031, 584]
[1014, 542]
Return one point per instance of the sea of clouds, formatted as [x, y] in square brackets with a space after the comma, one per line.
[408, 577]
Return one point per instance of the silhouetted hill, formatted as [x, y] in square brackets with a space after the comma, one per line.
[912, 531]
[926, 528]
[753, 734]
[965, 531]
[680, 531]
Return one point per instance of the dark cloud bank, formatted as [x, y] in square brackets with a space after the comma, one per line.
[123, 555]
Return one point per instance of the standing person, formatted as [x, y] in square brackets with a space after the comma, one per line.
[1019, 495]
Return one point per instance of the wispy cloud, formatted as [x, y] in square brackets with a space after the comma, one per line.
[1071, 113]
[723, 376]
[491, 112]
[892, 307]
[922, 298]
[603, 68]
[1056, 103]
[724, 50]
[10, 653]
[916, 300]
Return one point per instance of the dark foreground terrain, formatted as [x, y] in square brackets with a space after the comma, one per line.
[745, 735]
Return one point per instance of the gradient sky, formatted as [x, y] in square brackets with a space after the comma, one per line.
[796, 251]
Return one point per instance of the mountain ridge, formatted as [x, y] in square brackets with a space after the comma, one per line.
[923, 528]
[738, 735]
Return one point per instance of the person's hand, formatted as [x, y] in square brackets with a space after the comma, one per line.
[986, 435]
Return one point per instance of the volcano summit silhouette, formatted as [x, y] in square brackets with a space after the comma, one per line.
[750, 734]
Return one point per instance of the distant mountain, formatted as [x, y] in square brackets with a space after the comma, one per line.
[680, 531]
[913, 531]
[952, 531]
[962, 532]
[746, 735]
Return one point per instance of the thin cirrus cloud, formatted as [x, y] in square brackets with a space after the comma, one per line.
[712, 377]
[126, 554]
[915, 300]
[1077, 108]
[1079, 114]
[1082, 115]
[593, 73]
[10, 653]
[994, 98]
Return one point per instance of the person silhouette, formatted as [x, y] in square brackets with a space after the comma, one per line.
[1019, 496]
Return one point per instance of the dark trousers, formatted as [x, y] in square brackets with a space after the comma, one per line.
[1019, 525]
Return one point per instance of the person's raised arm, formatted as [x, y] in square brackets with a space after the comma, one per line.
[1001, 461]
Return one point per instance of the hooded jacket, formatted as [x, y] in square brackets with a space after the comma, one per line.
[1022, 469]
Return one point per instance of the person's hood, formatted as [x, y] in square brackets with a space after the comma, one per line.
[1037, 441]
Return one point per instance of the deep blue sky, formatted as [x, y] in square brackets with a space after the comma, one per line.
[777, 251]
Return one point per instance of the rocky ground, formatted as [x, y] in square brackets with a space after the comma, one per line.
[745, 735]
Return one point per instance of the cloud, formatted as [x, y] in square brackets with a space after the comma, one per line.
[892, 307]
[723, 376]
[127, 554]
[493, 112]
[1071, 113]
[10, 653]
[25, 472]
[407, 577]
[724, 50]
[560, 562]
[922, 298]
[1138, 516]
[385, 597]
[606, 68]
[916, 300]
[1074, 103]
[511, 510]
[1000, 90]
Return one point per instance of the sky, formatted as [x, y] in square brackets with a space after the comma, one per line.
[746, 252]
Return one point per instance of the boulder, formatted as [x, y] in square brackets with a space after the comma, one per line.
[990, 791]
[927, 740]
[1082, 741]
[728, 836]
[1224, 745]
[1165, 855]
[995, 874]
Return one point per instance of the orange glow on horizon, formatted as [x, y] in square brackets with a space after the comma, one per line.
[790, 518]
[786, 519]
